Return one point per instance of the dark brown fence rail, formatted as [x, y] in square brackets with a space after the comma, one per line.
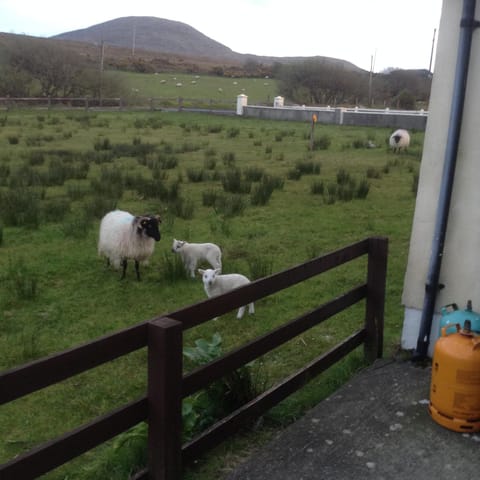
[163, 336]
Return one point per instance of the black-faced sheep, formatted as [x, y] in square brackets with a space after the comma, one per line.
[399, 140]
[192, 253]
[216, 284]
[124, 236]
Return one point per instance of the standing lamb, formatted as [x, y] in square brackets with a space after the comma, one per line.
[124, 236]
[399, 140]
[192, 253]
[216, 284]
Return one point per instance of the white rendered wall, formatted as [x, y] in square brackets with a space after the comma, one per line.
[460, 271]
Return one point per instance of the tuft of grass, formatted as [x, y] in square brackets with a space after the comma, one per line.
[20, 207]
[22, 282]
[172, 268]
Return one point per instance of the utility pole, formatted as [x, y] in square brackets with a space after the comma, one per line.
[370, 80]
[431, 54]
[134, 36]
[102, 56]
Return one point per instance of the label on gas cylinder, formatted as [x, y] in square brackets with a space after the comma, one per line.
[468, 377]
[466, 404]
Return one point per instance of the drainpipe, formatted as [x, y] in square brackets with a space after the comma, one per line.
[467, 25]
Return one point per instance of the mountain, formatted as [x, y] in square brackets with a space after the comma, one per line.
[163, 36]
[151, 34]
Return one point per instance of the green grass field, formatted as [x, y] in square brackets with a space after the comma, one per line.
[197, 90]
[61, 171]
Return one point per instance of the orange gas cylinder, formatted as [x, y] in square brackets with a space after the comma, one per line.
[455, 386]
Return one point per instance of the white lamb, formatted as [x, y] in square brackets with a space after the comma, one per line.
[124, 236]
[216, 284]
[192, 253]
[399, 140]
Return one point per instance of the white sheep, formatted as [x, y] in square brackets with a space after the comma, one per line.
[192, 253]
[216, 284]
[399, 140]
[124, 236]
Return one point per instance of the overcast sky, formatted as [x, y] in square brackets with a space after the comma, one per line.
[386, 33]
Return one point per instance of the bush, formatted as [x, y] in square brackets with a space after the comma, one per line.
[209, 197]
[76, 191]
[167, 162]
[232, 181]
[233, 132]
[55, 209]
[4, 173]
[294, 174]
[182, 208]
[362, 189]
[317, 188]
[21, 282]
[263, 191]
[172, 268]
[196, 175]
[109, 184]
[260, 267]
[102, 144]
[322, 143]
[373, 173]
[343, 177]
[77, 225]
[230, 205]
[98, 205]
[228, 159]
[222, 396]
[209, 163]
[19, 207]
[307, 167]
[415, 183]
[36, 157]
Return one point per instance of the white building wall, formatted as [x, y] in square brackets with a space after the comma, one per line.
[460, 272]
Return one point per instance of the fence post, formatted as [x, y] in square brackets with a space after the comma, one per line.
[164, 399]
[375, 305]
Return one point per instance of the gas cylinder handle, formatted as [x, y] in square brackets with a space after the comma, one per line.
[446, 327]
[453, 305]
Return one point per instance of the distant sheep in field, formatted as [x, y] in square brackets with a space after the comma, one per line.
[192, 253]
[124, 236]
[399, 140]
[216, 284]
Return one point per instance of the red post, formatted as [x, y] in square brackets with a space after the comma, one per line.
[375, 304]
[164, 399]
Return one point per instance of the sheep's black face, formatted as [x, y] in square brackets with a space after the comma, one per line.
[149, 226]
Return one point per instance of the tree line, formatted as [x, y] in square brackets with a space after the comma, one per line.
[42, 67]
[314, 82]
[50, 69]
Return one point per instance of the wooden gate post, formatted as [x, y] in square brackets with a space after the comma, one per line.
[375, 304]
[164, 399]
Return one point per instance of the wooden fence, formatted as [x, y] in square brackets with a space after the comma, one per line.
[132, 103]
[167, 386]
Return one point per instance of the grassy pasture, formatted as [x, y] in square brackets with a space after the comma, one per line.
[206, 88]
[61, 171]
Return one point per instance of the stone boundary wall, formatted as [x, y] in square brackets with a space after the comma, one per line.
[410, 120]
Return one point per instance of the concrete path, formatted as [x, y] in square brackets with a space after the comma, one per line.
[375, 427]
